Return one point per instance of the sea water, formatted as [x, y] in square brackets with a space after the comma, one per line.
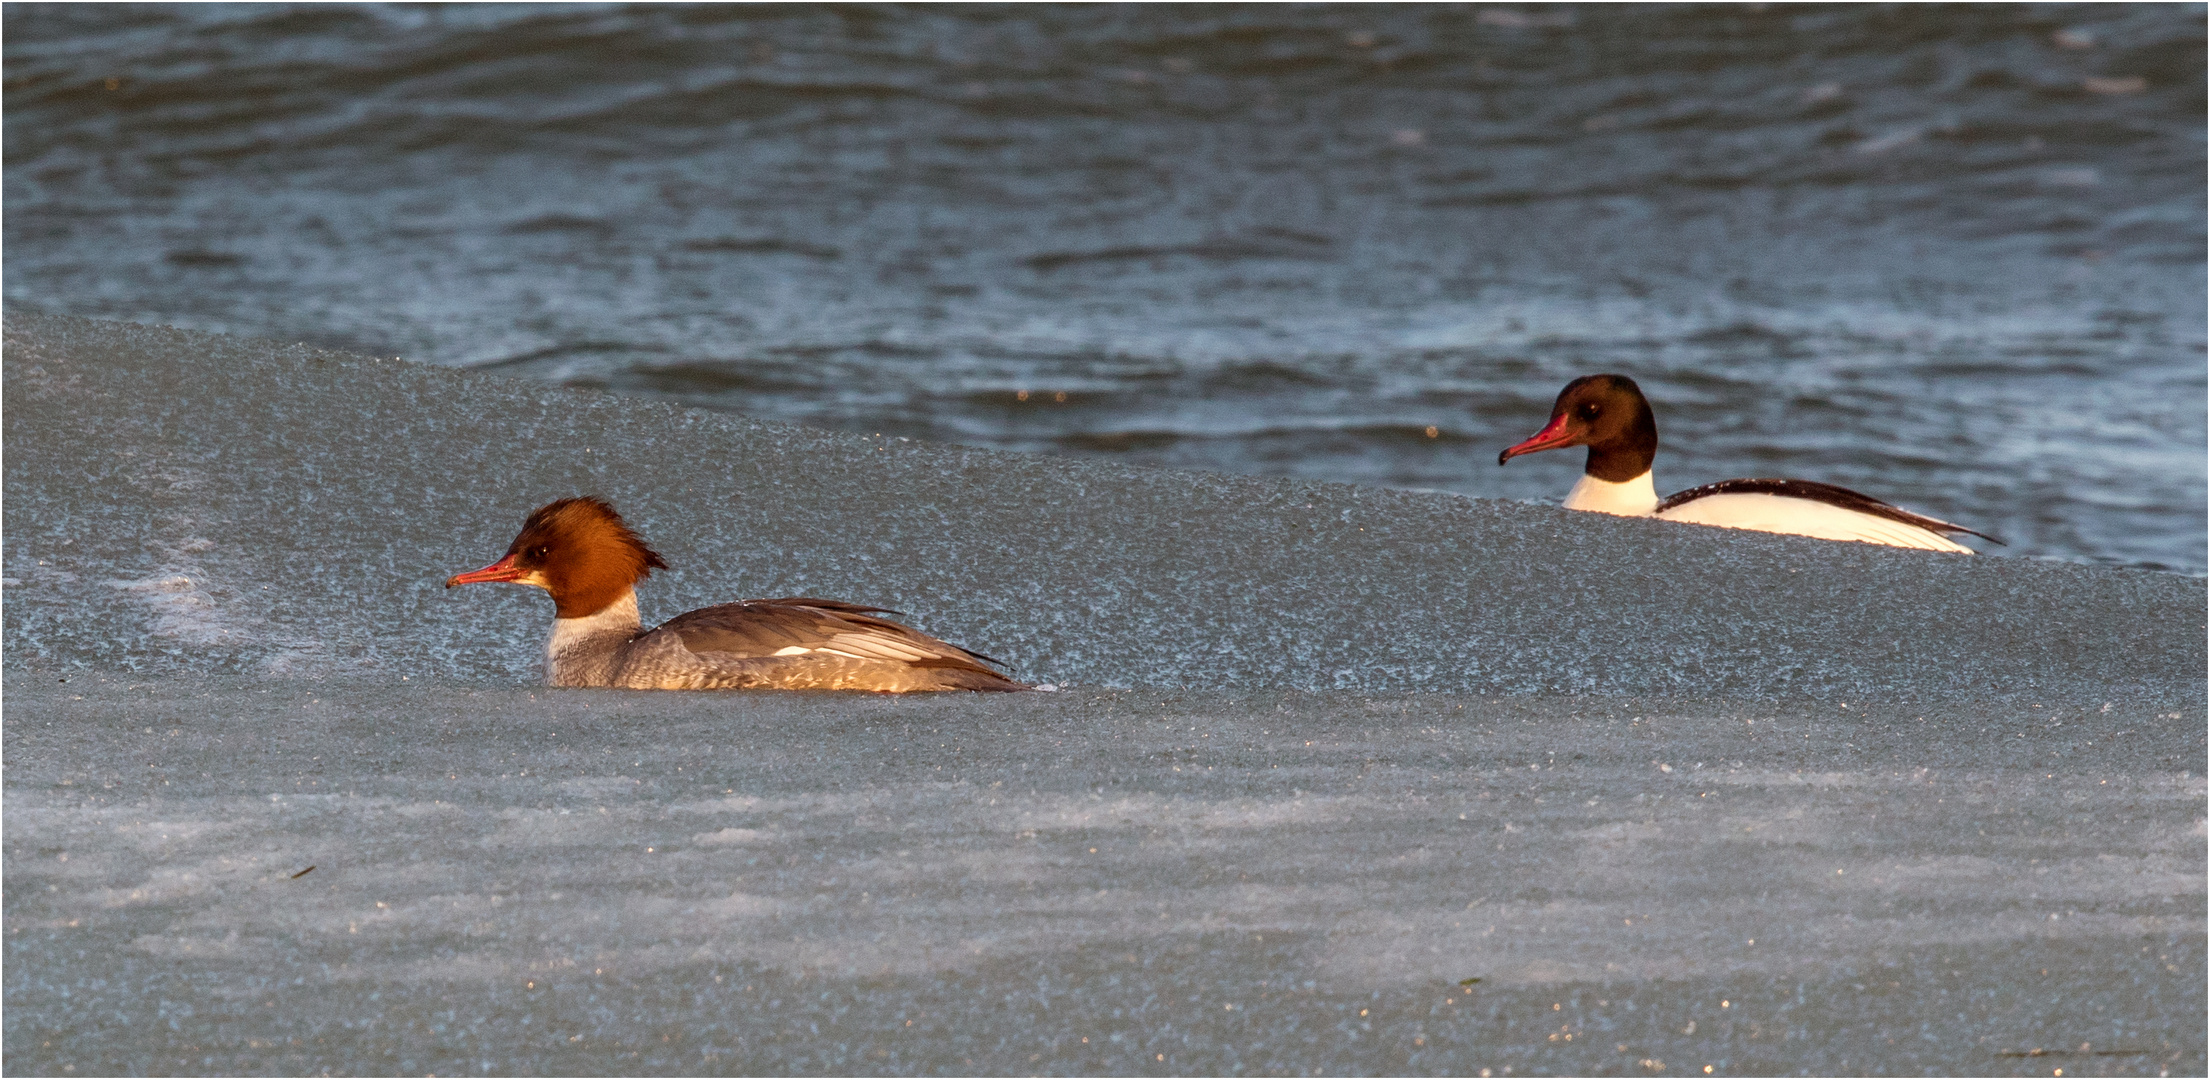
[1952, 257]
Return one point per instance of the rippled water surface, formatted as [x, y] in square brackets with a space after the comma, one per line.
[1950, 256]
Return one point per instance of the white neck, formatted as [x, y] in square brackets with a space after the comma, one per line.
[583, 651]
[1628, 498]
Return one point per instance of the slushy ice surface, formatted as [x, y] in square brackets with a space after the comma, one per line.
[1674, 797]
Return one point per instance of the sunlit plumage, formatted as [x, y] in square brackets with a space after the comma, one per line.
[581, 552]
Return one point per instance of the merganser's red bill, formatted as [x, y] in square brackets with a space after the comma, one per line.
[506, 569]
[1549, 438]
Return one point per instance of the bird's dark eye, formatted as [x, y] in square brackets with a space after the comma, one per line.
[539, 551]
[1589, 411]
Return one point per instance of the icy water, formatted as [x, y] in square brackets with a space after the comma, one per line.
[1340, 780]
[214, 877]
[1952, 257]
[186, 502]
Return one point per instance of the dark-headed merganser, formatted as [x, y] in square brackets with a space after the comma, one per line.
[1609, 415]
[580, 551]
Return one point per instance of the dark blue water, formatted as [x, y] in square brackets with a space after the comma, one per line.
[1953, 257]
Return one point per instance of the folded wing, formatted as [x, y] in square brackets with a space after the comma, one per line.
[804, 625]
[1810, 508]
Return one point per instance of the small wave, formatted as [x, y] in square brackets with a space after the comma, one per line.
[561, 223]
[767, 245]
[1119, 442]
[1268, 244]
[566, 351]
[711, 377]
[1740, 333]
[201, 258]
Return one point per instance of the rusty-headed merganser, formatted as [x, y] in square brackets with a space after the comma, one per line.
[1609, 415]
[580, 551]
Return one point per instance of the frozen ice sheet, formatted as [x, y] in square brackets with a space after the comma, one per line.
[196, 502]
[518, 881]
[1676, 797]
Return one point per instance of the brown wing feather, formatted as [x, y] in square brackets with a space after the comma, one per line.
[758, 628]
[843, 606]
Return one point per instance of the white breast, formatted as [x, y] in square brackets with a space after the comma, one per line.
[1805, 517]
[1629, 498]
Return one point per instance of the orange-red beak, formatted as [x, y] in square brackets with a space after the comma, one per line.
[1550, 437]
[504, 570]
